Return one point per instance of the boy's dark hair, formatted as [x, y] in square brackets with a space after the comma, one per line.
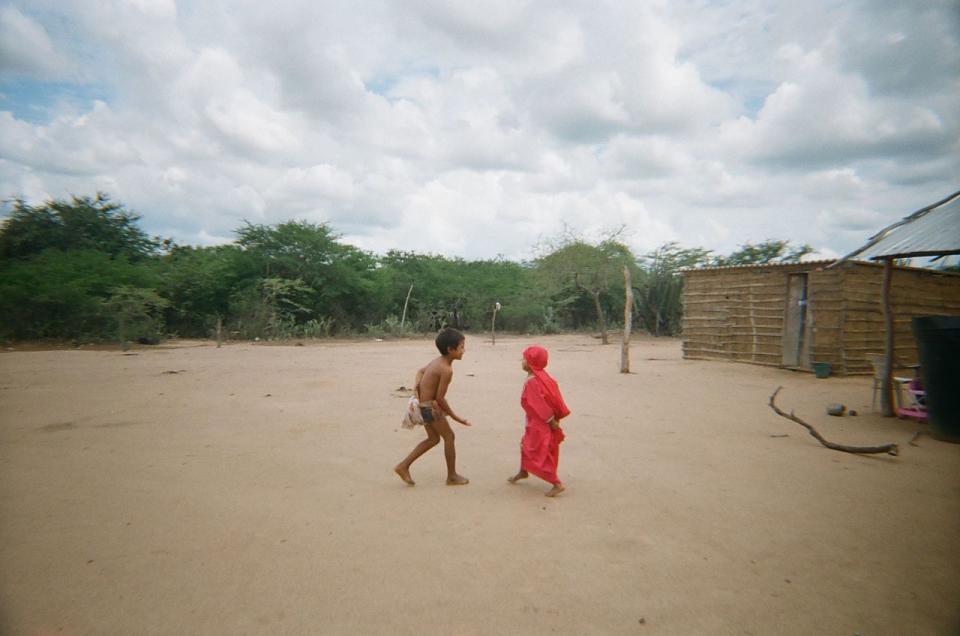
[448, 338]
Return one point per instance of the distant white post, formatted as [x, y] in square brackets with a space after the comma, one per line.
[403, 318]
[493, 322]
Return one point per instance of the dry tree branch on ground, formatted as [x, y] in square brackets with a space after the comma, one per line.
[892, 449]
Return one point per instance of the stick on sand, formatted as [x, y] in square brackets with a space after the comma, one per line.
[892, 449]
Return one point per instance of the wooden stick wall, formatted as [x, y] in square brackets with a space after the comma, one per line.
[738, 313]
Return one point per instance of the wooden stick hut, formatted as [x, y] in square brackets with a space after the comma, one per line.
[795, 315]
[930, 231]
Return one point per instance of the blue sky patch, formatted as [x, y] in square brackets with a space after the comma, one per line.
[383, 85]
[38, 102]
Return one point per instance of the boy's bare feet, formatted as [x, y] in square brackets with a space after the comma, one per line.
[556, 490]
[520, 475]
[405, 475]
[457, 480]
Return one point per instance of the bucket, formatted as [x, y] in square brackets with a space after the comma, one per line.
[938, 342]
[821, 369]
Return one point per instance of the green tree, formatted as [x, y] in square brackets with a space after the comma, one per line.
[659, 288]
[340, 276]
[83, 223]
[59, 262]
[769, 251]
[438, 288]
[200, 283]
[272, 309]
[455, 292]
[137, 314]
[575, 268]
[57, 294]
[487, 282]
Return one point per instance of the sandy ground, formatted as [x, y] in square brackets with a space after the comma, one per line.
[186, 489]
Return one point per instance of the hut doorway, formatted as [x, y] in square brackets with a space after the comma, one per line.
[796, 344]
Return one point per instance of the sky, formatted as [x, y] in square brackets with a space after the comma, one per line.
[481, 130]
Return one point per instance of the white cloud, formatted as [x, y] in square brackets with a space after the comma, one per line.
[858, 220]
[248, 123]
[475, 129]
[85, 144]
[25, 46]
[155, 8]
[839, 118]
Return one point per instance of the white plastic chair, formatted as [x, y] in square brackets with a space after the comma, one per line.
[876, 361]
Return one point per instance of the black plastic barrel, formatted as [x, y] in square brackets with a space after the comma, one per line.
[938, 342]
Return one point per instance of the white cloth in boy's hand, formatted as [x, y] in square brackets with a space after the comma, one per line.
[413, 417]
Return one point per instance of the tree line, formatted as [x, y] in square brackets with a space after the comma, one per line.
[82, 269]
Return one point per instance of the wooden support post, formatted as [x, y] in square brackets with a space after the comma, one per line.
[627, 321]
[886, 391]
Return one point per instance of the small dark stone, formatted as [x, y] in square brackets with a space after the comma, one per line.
[836, 409]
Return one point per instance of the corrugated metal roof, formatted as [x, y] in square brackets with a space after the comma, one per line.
[931, 231]
[812, 264]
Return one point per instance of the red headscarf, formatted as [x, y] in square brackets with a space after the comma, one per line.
[536, 358]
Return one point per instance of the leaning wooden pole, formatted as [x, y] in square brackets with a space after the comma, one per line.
[627, 321]
[403, 318]
[886, 392]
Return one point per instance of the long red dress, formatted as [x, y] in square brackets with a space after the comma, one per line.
[540, 447]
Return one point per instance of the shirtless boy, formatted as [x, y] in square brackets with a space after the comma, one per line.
[431, 387]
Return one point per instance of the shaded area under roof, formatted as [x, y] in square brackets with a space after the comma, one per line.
[931, 231]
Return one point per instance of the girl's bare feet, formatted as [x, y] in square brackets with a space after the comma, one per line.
[457, 480]
[520, 475]
[405, 475]
[556, 490]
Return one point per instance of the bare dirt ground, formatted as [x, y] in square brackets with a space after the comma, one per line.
[185, 489]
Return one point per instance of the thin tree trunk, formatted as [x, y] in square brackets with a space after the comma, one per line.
[493, 325]
[219, 331]
[600, 320]
[886, 392]
[122, 328]
[627, 321]
[403, 318]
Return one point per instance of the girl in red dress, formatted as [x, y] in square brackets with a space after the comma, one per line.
[544, 408]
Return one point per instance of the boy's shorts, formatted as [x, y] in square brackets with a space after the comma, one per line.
[426, 410]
